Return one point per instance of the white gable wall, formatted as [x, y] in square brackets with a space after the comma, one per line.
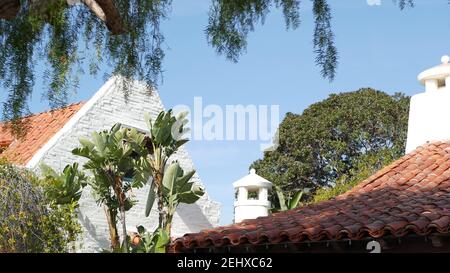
[105, 109]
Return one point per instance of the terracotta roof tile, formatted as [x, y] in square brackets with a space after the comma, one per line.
[41, 127]
[409, 196]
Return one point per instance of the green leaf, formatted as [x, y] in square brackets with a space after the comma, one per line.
[99, 142]
[170, 176]
[161, 240]
[141, 230]
[182, 115]
[148, 121]
[181, 181]
[116, 127]
[192, 196]
[150, 199]
[295, 201]
[281, 198]
[47, 170]
[180, 143]
[86, 143]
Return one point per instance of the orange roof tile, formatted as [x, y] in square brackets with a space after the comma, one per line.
[409, 196]
[41, 127]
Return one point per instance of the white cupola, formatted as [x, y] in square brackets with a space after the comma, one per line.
[252, 199]
[429, 112]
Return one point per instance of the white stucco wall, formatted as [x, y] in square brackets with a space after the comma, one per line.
[106, 108]
[429, 112]
[428, 118]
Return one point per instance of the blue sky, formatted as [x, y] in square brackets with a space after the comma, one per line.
[379, 46]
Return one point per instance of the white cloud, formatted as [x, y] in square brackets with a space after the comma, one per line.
[373, 2]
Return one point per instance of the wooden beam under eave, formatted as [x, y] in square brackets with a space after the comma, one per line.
[9, 9]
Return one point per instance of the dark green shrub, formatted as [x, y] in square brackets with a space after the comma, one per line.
[29, 222]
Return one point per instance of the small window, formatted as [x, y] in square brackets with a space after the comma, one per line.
[252, 195]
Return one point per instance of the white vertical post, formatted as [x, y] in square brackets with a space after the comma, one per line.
[242, 194]
[263, 194]
[429, 112]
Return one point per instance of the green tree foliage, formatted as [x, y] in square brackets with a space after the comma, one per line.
[231, 21]
[31, 221]
[69, 37]
[64, 188]
[114, 154]
[170, 185]
[165, 136]
[126, 36]
[177, 189]
[333, 139]
[151, 242]
[365, 166]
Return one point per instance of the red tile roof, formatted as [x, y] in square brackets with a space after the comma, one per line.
[410, 196]
[41, 127]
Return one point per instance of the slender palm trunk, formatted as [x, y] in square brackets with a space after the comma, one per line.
[124, 227]
[111, 217]
[168, 224]
[118, 189]
[161, 210]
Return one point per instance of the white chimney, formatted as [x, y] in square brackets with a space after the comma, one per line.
[252, 197]
[429, 112]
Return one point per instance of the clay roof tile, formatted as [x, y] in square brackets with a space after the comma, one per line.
[40, 128]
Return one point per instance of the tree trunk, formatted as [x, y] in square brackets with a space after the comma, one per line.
[121, 198]
[124, 227]
[9, 8]
[111, 217]
[159, 189]
[168, 226]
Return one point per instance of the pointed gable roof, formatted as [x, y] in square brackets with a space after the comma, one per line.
[41, 127]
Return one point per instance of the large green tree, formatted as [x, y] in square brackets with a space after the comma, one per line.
[124, 34]
[337, 139]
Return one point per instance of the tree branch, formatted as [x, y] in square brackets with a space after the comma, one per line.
[113, 19]
[95, 8]
[9, 8]
[105, 10]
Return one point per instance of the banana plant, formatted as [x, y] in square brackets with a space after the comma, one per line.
[149, 242]
[176, 188]
[165, 137]
[111, 156]
[288, 203]
[66, 187]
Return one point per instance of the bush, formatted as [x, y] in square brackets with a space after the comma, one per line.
[29, 222]
[364, 167]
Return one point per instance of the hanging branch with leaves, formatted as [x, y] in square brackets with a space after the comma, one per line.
[126, 36]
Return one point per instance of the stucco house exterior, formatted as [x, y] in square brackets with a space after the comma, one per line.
[52, 135]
